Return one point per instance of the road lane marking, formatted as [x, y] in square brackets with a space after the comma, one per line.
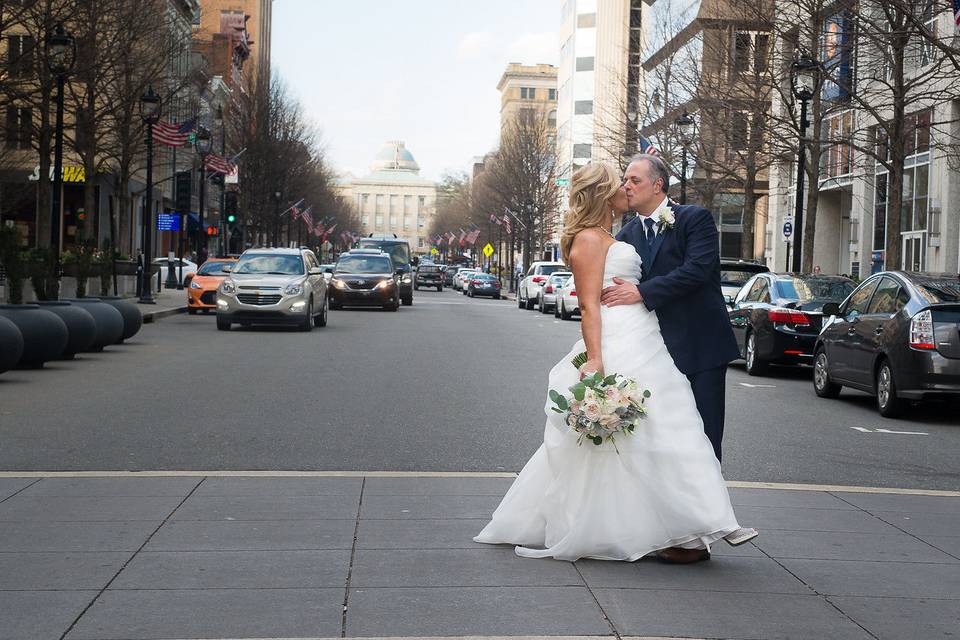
[757, 386]
[736, 484]
[902, 433]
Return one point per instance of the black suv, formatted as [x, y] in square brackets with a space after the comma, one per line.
[428, 275]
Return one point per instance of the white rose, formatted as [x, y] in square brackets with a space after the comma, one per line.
[591, 411]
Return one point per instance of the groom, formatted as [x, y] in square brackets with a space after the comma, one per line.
[681, 282]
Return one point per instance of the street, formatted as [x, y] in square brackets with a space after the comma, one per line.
[449, 384]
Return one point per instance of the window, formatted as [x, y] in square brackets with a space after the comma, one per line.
[860, 299]
[741, 52]
[586, 20]
[528, 93]
[365, 219]
[585, 64]
[837, 158]
[582, 150]
[20, 56]
[887, 299]
[379, 220]
[381, 201]
[583, 107]
[19, 127]
[739, 131]
[552, 94]
[880, 213]
[552, 119]
[408, 204]
[750, 52]
[761, 50]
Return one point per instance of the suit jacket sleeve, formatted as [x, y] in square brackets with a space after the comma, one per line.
[696, 270]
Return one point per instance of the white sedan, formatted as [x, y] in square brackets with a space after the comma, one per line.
[189, 268]
[567, 303]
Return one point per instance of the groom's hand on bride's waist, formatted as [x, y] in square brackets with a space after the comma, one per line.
[622, 292]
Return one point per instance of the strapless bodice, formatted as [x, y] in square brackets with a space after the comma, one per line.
[622, 262]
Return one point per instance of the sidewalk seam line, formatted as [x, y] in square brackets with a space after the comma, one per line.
[353, 555]
[603, 611]
[20, 490]
[129, 560]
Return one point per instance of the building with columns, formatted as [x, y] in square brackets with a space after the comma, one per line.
[393, 197]
[528, 89]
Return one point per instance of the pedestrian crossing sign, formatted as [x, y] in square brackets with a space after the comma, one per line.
[488, 250]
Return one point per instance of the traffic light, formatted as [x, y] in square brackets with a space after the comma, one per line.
[217, 179]
[183, 185]
[231, 218]
[230, 206]
[212, 231]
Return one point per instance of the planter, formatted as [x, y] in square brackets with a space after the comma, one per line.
[109, 321]
[45, 335]
[129, 268]
[132, 318]
[80, 325]
[11, 345]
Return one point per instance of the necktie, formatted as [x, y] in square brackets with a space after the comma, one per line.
[651, 232]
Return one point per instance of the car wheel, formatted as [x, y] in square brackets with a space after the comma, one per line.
[440, 289]
[889, 405]
[192, 311]
[556, 307]
[307, 324]
[321, 320]
[334, 305]
[543, 306]
[756, 366]
[520, 302]
[564, 314]
[822, 384]
[496, 296]
[408, 301]
[528, 303]
[222, 324]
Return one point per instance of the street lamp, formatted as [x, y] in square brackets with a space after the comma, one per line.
[150, 114]
[61, 55]
[222, 237]
[202, 144]
[684, 126]
[276, 218]
[804, 82]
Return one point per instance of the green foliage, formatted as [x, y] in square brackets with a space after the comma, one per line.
[41, 266]
[11, 256]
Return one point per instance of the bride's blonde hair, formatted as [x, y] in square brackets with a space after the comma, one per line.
[590, 193]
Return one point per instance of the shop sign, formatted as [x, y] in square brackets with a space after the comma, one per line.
[70, 174]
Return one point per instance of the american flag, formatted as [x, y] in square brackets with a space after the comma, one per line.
[172, 134]
[956, 12]
[647, 147]
[218, 164]
[506, 223]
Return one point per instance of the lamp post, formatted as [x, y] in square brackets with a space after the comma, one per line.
[222, 236]
[684, 126]
[150, 114]
[202, 144]
[276, 218]
[61, 55]
[804, 82]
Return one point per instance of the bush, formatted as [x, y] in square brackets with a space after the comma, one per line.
[11, 257]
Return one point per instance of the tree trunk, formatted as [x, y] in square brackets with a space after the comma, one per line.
[749, 215]
[44, 143]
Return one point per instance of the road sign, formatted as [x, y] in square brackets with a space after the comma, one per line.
[562, 182]
[168, 222]
[434, 251]
[787, 228]
[488, 250]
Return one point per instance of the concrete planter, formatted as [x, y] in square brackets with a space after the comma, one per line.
[109, 321]
[45, 335]
[132, 318]
[11, 345]
[80, 325]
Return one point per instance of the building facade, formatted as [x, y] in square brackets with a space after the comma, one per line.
[393, 198]
[258, 18]
[528, 89]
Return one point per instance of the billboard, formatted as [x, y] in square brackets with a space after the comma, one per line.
[837, 50]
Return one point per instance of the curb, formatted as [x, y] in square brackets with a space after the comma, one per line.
[152, 316]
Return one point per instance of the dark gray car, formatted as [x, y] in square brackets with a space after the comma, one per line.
[896, 336]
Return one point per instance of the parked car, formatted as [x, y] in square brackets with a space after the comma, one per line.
[449, 274]
[202, 290]
[529, 288]
[776, 317]
[567, 302]
[366, 278]
[547, 300]
[189, 268]
[273, 286]
[483, 284]
[428, 275]
[735, 273]
[897, 337]
[458, 280]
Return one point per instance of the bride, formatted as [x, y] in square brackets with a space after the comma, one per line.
[663, 492]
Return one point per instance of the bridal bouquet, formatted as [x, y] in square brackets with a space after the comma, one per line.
[600, 408]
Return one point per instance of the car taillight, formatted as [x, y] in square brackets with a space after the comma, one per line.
[921, 331]
[496, 284]
[788, 316]
[573, 293]
[478, 282]
[539, 279]
[548, 289]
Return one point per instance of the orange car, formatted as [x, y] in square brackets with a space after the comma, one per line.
[202, 288]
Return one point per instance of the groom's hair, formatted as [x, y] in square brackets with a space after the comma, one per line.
[657, 168]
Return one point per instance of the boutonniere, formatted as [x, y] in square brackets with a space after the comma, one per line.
[665, 219]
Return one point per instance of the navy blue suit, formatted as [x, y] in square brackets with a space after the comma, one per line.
[681, 282]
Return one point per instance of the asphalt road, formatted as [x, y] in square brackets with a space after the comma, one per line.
[450, 384]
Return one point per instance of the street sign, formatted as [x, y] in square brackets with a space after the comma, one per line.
[562, 182]
[168, 222]
[488, 250]
[434, 251]
[787, 228]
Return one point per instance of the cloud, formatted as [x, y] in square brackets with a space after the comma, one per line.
[475, 45]
[531, 48]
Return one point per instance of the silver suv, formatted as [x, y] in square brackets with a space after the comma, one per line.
[273, 286]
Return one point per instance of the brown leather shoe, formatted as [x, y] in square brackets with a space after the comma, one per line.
[676, 555]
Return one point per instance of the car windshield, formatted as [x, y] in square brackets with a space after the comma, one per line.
[935, 291]
[429, 268]
[399, 252]
[738, 276]
[484, 277]
[559, 278]
[270, 264]
[814, 289]
[214, 268]
[364, 264]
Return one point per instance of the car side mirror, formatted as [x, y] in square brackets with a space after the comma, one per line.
[314, 271]
[831, 309]
[728, 300]
[227, 269]
[328, 270]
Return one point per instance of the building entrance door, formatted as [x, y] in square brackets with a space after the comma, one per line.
[914, 252]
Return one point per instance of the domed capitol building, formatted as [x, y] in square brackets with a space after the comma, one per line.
[393, 198]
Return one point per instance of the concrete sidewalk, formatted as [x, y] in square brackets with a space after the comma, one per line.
[168, 302]
[325, 555]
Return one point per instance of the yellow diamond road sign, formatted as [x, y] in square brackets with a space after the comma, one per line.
[488, 250]
[434, 251]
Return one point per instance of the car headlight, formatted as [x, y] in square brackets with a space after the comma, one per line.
[407, 279]
[194, 285]
[227, 287]
[294, 289]
[339, 284]
[385, 284]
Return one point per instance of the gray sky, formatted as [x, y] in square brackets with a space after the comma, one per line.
[421, 71]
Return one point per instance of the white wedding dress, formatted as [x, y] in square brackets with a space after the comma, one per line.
[664, 489]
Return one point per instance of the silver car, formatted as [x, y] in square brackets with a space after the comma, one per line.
[274, 286]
